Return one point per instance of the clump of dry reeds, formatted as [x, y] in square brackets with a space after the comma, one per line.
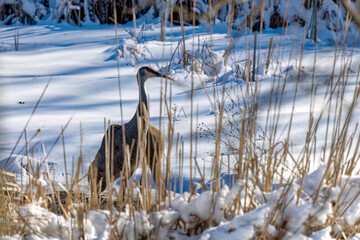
[259, 167]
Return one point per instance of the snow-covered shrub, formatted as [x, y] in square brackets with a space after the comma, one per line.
[25, 11]
[327, 14]
[183, 10]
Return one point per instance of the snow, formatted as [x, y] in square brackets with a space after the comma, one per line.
[241, 227]
[322, 234]
[80, 65]
[3, 2]
[29, 7]
[356, 236]
[194, 212]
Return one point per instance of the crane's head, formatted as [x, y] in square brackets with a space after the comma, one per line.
[147, 72]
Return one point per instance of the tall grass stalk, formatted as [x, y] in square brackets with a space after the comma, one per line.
[258, 166]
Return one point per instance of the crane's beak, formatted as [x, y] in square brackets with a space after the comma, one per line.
[157, 74]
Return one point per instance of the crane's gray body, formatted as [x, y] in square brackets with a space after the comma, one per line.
[155, 140]
[153, 152]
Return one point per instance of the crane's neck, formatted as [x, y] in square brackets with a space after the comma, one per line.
[143, 101]
[143, 98]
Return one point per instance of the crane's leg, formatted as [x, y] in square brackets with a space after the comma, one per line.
[154, 154]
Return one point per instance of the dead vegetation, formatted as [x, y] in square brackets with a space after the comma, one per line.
[259, 168]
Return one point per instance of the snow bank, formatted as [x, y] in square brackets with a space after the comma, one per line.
[278, 213]
[241, 227]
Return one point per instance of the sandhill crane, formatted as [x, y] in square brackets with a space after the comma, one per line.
[133, 134]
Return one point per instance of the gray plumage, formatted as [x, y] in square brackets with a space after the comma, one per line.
[155, 140]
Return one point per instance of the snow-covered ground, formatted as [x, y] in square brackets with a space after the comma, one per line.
[80, 67]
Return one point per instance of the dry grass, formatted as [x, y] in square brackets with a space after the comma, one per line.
[262, 166]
